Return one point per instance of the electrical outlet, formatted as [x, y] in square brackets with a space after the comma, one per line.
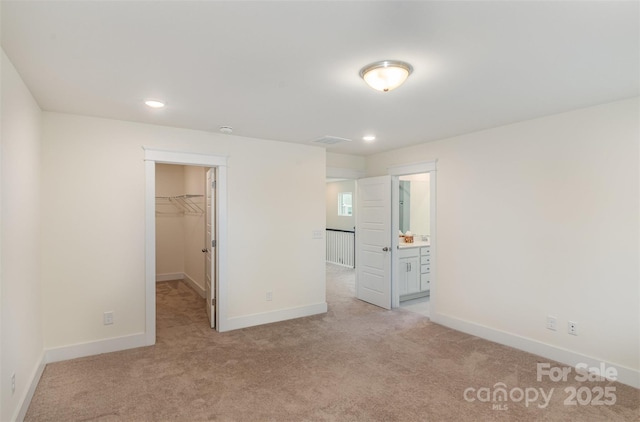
[573, 328]
[552, 323]
[269, 296]
[13, 383]
[108, 318]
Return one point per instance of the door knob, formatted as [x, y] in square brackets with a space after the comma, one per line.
[385, 249]
[204, 250]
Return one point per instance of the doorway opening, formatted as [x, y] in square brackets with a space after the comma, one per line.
[394, 264]
[340, 236]
[340, 222]
[216, 206]
[181, 236]
[413, 224]
[413, 261]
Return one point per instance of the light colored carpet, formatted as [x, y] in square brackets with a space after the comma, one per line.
[355, 363]
[420, 305]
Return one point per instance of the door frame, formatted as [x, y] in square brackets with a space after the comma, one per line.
[395, 173]
[151, 157]
[210, 233]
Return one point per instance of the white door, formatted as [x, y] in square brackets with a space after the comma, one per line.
[373, 240]
[209, 249]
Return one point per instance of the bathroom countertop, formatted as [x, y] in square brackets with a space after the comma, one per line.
[415, 244]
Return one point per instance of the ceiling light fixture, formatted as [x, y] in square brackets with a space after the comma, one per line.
[369, 138]
[154, 103]
[386, 75]
[226, 129]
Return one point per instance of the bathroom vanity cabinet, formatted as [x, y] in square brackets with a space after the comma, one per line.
[414, 271]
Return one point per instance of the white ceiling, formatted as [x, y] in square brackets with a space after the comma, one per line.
[289, 70]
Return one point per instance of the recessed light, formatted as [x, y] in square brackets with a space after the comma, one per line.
[369, 138]
[154, 103]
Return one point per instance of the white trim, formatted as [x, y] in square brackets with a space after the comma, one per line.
[395, 241]
[433, 239]
[221, 249]
[183, 157]
[275, 316]
[115, 344]
[626, 375]
[344, 173]
[340, 264]
[150, 252]
[181, 276]
[192, 283]
[151, 157]
[169, 277]
[415, 168]
[24, 403]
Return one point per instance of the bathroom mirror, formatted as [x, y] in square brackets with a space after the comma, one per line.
[414, 206]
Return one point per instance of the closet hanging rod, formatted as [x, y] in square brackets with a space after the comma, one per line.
[188, 203]
[180, 196]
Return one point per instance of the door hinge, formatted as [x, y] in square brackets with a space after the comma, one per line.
[213, 184]
[213, 302]
[213, 243]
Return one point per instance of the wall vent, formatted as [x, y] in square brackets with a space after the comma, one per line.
[330, 140]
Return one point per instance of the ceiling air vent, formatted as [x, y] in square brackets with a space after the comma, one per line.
[330, 140]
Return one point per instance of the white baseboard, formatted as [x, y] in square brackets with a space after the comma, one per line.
[626, 375]
[169, 277]
[95, 348]
[24, 403]
[72, 352]
[273, 316]
[181, 276]
[340, 264]
[195, 286]
[139, 340]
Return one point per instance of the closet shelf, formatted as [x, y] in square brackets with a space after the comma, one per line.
[181, 204]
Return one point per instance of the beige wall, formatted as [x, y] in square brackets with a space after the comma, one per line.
[544, 217]
[335, 221]
[170, 232]
[95, 167]
[21, 344]
[346, 161]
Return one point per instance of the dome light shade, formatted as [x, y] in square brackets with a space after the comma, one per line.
[386, 75]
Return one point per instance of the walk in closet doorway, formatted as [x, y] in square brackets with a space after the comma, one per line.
[180, 225]
[204, 223]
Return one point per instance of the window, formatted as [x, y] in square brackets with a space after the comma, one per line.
[345, 204]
